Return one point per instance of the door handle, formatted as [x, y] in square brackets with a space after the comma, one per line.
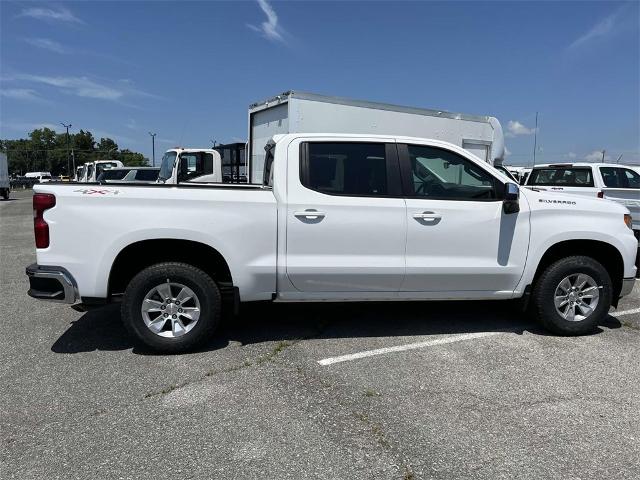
[427, 216]
[310, 214]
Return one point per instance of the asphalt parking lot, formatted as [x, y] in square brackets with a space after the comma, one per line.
[349, 391]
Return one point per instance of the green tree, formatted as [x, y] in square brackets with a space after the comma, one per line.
[46, 150]
[133, 159]
[107, 149]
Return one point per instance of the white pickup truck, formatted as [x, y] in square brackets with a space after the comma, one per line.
[615, 182]
[338, 218]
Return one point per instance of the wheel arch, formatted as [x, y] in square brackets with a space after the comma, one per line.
[141, 254]
[604, 253]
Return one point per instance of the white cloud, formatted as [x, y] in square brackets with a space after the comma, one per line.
[20, 94]
[515, 128]
[131, 124]
[47, 44]
[79, 86]
[269, 29]
[26, 127]
[596, 156]
[601, 29]
[48, 14]
[507, 152]
[571, 155]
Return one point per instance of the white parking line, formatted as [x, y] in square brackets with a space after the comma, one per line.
[625, 312]
[402, 348]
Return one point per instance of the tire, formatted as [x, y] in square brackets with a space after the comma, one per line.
[5, 193]
[171, 329]
[548, 284]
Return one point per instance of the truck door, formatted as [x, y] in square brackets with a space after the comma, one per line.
[346, 218]
[458, 236]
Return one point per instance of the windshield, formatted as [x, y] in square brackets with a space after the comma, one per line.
[168, 160]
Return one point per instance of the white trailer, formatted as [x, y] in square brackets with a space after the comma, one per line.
[4, 176]
[301, 112]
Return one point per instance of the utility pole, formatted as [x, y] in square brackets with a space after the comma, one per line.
[68, 154]
[153, 147]
[535, 141]
[603, 155]
[214, 143]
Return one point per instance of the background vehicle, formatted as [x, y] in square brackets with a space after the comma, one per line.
[129, 174]
[40, 177]
[507, 172]
[519, 173]
[4, 177]
[184, 165]
[603, 180]
[90, 171]
[79, 173]
[296, 112]
[338, 217]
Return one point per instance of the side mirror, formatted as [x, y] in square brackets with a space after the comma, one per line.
[511, 199]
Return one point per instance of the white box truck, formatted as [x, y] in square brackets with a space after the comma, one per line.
[4, 176]
[301, 112]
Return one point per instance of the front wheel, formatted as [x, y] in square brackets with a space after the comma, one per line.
[171, 307]
[572, 295]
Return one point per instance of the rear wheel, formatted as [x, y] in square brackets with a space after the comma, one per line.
[171, 307]
[5, 193]
[572, 295]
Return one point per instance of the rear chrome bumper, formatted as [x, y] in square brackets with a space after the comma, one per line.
[54, 284]
[627, 286]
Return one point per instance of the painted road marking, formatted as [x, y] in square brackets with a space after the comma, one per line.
[625, 312]
[402, 348]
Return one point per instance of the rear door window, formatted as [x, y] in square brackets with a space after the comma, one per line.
[562, 177]
[345, 168]
[618, 177]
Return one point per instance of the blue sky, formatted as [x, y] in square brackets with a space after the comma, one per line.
[188, 70]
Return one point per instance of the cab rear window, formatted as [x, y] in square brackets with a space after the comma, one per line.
[563, 177]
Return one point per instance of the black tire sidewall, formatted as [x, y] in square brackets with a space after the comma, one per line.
[549, 281]
[197, 280]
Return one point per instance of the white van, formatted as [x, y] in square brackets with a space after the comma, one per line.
[42, 177]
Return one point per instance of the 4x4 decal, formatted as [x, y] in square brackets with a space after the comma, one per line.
[97, 191]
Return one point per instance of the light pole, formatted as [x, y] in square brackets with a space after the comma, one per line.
[153, 147]
[535, 140]
[68, 155]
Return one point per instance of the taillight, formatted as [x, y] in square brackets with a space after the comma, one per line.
[600, 194]
[41, 202]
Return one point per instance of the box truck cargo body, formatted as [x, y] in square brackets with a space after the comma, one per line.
[301, 112]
